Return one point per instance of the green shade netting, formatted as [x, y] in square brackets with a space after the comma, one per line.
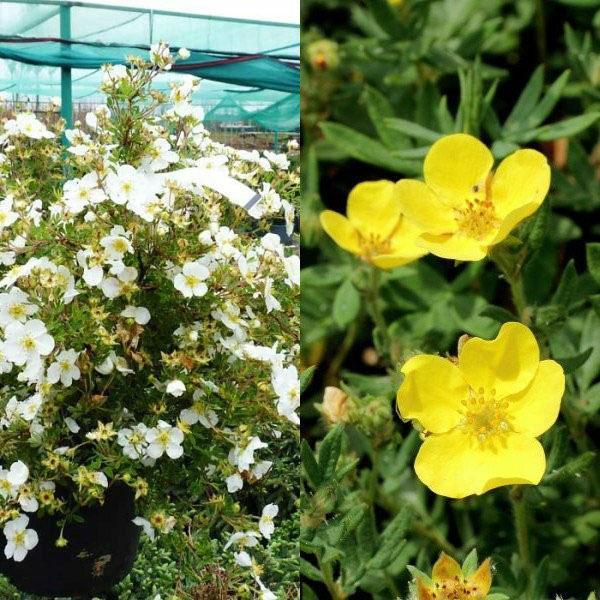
[251, 70]
[221, 47]
[283, 115]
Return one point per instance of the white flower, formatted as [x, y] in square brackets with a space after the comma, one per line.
[20, 540]
[242, 539]
[175, 388]
[112, 361]
[139, 314]
[261, 468]
[278, 160]
[243, 457]
[99, 478]
[7, 216]
[266, 525]
[190, 282]
[164, 438]
[133, 441]
[115, 246]
[28, 409]
[196, 413]
[292, 268]
[160, 157]
[183, 53]
[64, 369]
[146, 526]
[270, 301]
[243, 559]
[79, 194]
[72, 425]
[286, 384]
[125, 186]
[161, 56]
[113, 287]
[15, 306]
[28, 125]
[234, 483]
[27, 342]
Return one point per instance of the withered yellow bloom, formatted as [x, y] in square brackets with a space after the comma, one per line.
[482, 413]
[375, 228]
[463, 208]
[449, 582]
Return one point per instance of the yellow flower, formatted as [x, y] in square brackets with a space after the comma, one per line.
[464, 208]
[449, 582]
[323, 54]
[482, 413]
[375, 228]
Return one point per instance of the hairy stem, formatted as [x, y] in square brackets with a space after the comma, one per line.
[521, 527]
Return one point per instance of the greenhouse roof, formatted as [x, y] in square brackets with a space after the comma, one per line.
[40, 39]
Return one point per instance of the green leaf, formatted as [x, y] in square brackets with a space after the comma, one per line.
[537, 226]
[499, 314]
[386, 17]
[540, 580]
[592, 251]
[551, 97]
[413, 130]
[564, 128]
[308, 593]
[527, 100]
[324, 275]
[311, 468]
[329, 452]
[469, 565]
[565, 292]
[306, 377]
[363, 148]
[339, 529]
[380, 109]
[573, 468]
[391, 539]
[346, 304]
[572, 363]
[309, 570]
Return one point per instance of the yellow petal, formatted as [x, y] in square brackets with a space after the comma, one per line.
[420, 205]
[373, 208]
[456, 464]
[424, 592]
[535, 409]
[482, 579]
[454, 165]
[431, 392]
[512, 220]
[339, 228]
[454, 246]
[391, 261]
[445, 568]
[522, 178]
[506, 364]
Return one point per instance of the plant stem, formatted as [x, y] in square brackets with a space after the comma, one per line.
[332, 376]
[372, 300]
[435, 536]
[521, 527]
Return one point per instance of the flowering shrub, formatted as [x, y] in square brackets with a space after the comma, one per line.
[450, 286]
[148, 320]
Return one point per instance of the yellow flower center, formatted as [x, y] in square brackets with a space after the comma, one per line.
[484, 416]
[477, 218]
[119, 245]
[20, 538]
[16, 311]
[455, 589]
[191, 281]
[374, 245]
[28, 343]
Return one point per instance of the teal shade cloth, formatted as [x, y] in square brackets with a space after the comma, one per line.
[257, 71]
[253, 62]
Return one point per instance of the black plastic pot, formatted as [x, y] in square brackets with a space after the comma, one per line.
[100, 553]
